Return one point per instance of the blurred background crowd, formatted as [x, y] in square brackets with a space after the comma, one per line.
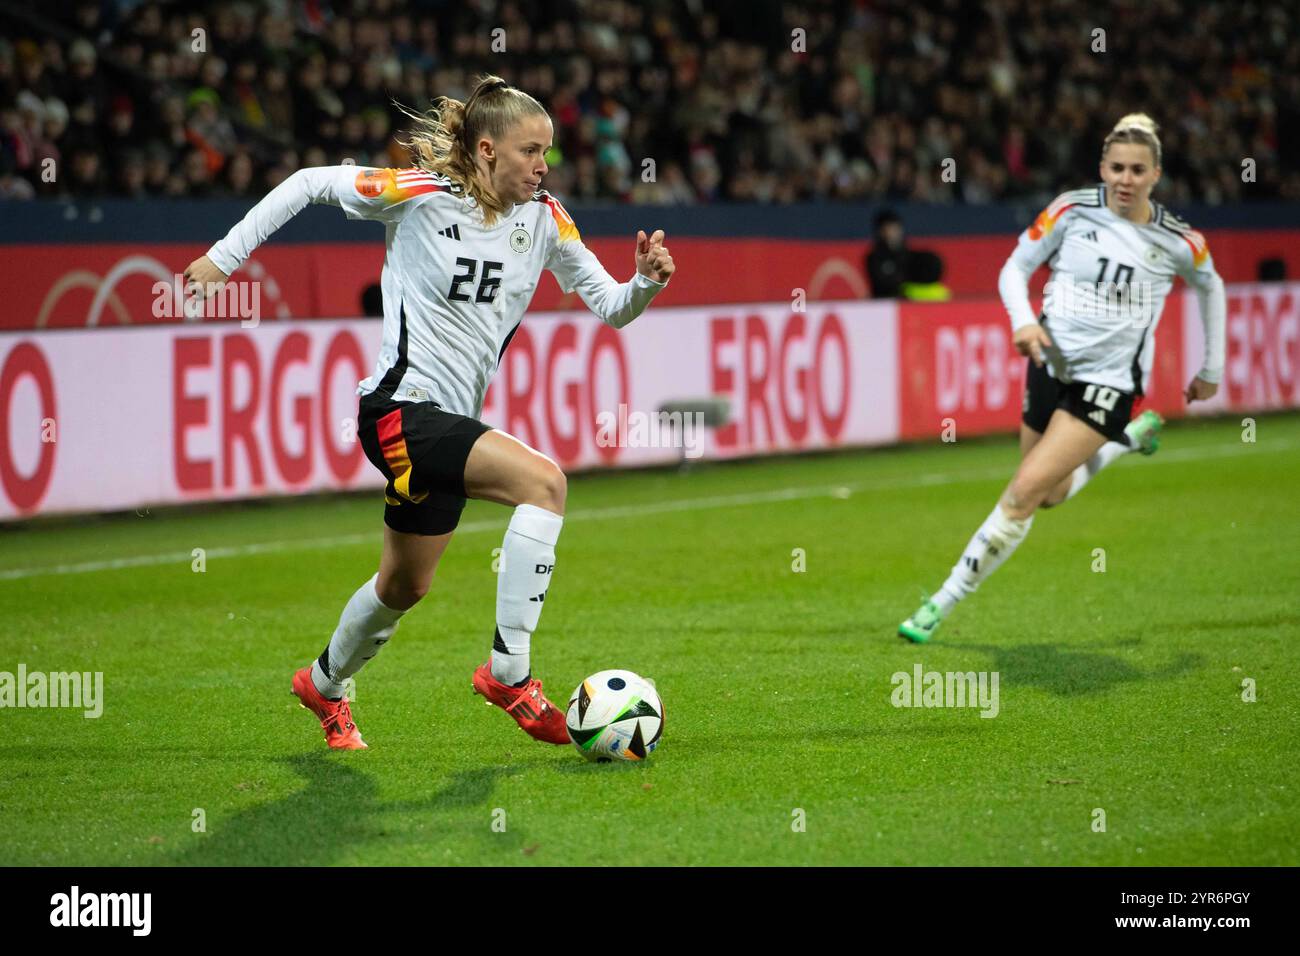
[753, 101]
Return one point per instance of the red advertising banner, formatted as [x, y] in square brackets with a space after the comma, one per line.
[113, 284]
[117, 285]
[109, 419]
[959, 371]
[1262, 364]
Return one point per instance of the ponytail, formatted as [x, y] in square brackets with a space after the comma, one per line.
[444, 139]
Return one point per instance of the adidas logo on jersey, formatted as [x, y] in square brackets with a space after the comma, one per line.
[1090, 236]
[1098, 416]
[451, 232]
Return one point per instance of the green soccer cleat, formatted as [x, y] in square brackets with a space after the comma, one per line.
[1144, 432]
[921, 626]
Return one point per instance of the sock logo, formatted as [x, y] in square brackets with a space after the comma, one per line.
[539, 598]
[544, 568]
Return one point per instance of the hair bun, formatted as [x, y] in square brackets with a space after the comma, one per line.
[1137, 121]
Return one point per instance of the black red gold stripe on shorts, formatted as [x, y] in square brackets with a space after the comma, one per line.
[393, 445]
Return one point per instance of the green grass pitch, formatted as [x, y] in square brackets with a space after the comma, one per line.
[1120, 690]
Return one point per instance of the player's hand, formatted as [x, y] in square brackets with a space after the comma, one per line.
[1198, 390]
[202, 279]
[1031, 340]
[652, 258]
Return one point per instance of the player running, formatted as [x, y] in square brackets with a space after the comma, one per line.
[1113, 255]
[469, 231]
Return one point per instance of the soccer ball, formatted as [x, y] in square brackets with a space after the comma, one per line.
[615, 715]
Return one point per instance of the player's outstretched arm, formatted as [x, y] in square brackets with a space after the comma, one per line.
[363, 193]
[616, 303]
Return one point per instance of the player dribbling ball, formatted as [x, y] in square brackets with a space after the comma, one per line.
[469, 231]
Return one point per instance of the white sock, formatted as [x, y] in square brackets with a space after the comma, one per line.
[1104, 456]
[527, 560]
[992, 544]
[364, 627]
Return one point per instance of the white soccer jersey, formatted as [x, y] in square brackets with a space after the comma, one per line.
[454, 290]
[1108, 286]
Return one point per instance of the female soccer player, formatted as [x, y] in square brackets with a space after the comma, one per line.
[468, 233]
[1113, 255]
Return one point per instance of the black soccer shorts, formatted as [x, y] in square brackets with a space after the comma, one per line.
[422, 451]
[1105, 409]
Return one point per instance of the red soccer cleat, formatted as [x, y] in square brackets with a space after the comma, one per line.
[335, 716]
[540, 719]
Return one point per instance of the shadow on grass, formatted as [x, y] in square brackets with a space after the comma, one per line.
[339, 810]
[1068, 672]
[1266, 623]
[586, 768]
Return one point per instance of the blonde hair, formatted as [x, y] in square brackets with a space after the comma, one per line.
[443, 139]
[1135, 128]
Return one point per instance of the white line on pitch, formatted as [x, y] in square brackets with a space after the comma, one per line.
[898, 483]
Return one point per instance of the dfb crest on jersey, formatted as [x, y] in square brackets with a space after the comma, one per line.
[1154, 255]
[520, 240]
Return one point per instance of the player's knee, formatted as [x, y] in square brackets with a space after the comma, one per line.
[1057, 495]
[1022, 499]
[548, 488]
[401, 593]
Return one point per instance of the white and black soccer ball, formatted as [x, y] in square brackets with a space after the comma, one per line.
[615, 715]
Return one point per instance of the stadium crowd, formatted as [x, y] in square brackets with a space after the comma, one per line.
[733, 101]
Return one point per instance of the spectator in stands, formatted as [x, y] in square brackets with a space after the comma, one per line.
[86, 173]
[157, 168]
[238, 175]
[886, 93]
[886, 263]
[130, 178]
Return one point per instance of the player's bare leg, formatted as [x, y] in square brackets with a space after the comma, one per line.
[1067, 444]
[1142, 435]
[503, 469]
[369, 619]
[1028, 439]
[1048, 461]
[406, 566]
